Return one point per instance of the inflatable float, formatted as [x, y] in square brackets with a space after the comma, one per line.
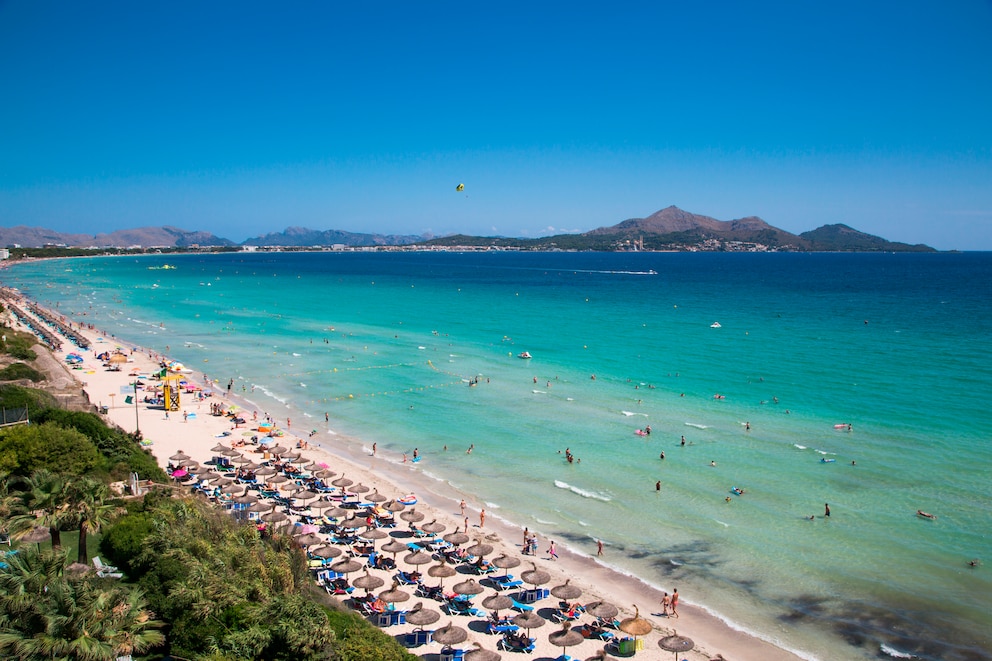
[408, 500]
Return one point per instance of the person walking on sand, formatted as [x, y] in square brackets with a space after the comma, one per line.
[675, 602]
[462, 505]
[599, 547]
[666, 603]
[482, 518]
[552, 551]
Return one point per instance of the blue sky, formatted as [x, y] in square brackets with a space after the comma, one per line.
[242, 118]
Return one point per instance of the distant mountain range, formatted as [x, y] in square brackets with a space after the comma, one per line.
[668, 229]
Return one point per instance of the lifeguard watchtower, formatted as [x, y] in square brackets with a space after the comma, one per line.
[170, 391]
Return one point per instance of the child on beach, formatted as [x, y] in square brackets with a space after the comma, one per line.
[552, 552]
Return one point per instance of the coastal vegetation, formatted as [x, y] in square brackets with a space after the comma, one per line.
[196, 583]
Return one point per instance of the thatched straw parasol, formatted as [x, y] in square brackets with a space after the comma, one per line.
[368, 582]
[602, 609]
[326, 551]
[346, 566]
[480, 654]
[480, 548]
[420, 616]
[676, 643]
[637, 625]
[456, 538]
[395, 595]
[449, 634]
[565, 637]
[442, 571]
[418, 558]
[394, 547]
[566, 591]
[497, 602]
[469, 587]
[535, 576]
[342, 482]
[529, 620]
[433, 527]
[412, 516]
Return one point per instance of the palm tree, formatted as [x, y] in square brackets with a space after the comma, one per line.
[85, 502]
[45, 613]
[44, 494]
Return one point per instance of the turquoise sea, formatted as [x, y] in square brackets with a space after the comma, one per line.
[898, 346]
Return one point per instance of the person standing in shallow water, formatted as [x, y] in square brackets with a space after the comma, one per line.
[826, 509]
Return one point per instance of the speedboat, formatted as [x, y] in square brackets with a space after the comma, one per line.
[524, 354]
[716, 324]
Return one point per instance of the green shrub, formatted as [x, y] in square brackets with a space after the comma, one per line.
[36, 401]
[26, 448]
[19, 371]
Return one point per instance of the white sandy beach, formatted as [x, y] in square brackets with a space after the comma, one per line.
[196, 434]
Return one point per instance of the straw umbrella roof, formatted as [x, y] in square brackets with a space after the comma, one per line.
[373, 534]
[418, 558]
[393, 506]
[309, 539]
[529, 620]
[480, 548]
[220, 447]
[277, 479]
[354, 523]
[346, 566]
[566, 591]
[394, 547]
[246, 499]
[250, 466]
[179, 456]
[637, 625]
[433, 527]
[412, 516]
[368, 582]
[420, 616]
[506, 561]
[290, 456]
[265, 470]
[358, 488]
[241, 460]
[395, 595]
[275, 517]
[342, 482]
[456, 538]
[326, 551]
[480, 654]
[305, 494]
[601, 655]
[602, 609]
[469, 587]
[38, 535]
[449, 634]
[336, 512]
[376, 497]
[497, 602]
[676, 643]
[230, 452]
[565, 637]
[535, 576]
[231, 488]
[319, 505]
[278, 450]
[189, 463]
[262, 506]
[325, 473]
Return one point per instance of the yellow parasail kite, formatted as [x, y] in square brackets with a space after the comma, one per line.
[460, 187]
